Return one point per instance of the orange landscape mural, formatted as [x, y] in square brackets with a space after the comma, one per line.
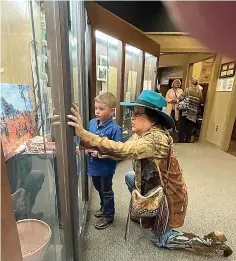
[17, 117]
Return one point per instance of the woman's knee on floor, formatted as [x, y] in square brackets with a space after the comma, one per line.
[129, 180]
[35, 179]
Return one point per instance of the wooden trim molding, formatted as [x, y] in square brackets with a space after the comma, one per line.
[178, 43]
[10, 244]
[122, 86]
[94, 72]
[105, 21]
[167, 33]
[140, 88]
[210, 98]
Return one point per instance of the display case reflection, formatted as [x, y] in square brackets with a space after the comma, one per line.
[132, 84]
[108, 63]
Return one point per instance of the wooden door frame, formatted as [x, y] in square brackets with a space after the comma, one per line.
[105, 21]
[10, 243]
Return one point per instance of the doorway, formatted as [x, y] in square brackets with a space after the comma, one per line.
[232, 146]
[202, 71]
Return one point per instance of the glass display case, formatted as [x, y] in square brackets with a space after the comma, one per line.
[132, 81]
[78, 77]
[45, 70]
[108, 64]
[30, 149]
[150, 72]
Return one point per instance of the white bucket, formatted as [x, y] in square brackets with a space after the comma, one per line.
[34, 238]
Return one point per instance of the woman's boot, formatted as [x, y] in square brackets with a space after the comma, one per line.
[218, 242]
[213, 242]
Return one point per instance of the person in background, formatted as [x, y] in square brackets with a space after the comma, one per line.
[102, 170]
[188, 117]
[172, 97]
[155, 164]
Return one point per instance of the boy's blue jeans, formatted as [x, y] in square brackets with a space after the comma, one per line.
[103, 184]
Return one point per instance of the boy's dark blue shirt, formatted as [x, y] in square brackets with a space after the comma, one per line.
[109, 129]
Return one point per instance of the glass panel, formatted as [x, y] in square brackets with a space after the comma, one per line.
[108, 63]
[150, 72]
[133, 75]
[77, 74]
[27, 136]
[88, 63]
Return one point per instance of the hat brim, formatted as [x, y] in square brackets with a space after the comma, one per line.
[168, 121]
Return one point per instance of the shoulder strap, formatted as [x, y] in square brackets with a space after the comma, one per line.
[168, 159]
[175, 94]
[170, 142]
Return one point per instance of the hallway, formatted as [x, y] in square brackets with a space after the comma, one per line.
[210, 177]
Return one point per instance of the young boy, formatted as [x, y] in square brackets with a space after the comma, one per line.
[102, 170]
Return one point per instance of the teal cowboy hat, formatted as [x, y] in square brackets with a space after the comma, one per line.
[154, 101]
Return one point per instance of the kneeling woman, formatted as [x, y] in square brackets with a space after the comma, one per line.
[155, 164]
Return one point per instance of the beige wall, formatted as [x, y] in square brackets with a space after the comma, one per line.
[197, 68]
[15, 40]
[16, 36]
[223, 113]
[168, 60]
[177, 43]
[218, 117]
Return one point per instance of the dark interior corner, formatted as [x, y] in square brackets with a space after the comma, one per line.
[148, 16]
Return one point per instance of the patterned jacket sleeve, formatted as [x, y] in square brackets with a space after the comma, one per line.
[144, 147]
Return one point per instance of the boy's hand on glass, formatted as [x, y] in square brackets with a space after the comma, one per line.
[87, 152]
[77, 150]
[94, 153]
[76, 120]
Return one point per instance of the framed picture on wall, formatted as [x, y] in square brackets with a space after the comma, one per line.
[223, 73]
[104, 61]
[227, 70]
[102, 73]
[231, 66]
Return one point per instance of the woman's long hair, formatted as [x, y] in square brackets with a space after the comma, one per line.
[155, 118]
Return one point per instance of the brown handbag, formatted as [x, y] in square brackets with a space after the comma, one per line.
[148, 205]
[151, 204]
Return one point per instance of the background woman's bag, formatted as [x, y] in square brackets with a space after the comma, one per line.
[183, 105]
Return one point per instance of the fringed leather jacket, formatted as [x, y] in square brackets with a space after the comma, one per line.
[148, 151]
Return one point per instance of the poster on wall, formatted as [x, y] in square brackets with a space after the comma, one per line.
[227, 69]
[104, 61]
[17, 117]
[225, 84]
[102, 73]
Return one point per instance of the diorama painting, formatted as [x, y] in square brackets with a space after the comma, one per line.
[17, 117]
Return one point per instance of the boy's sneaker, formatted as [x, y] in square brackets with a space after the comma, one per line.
[103, 223]
[99, 213]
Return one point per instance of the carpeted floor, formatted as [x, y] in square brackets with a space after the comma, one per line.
[211, 179]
